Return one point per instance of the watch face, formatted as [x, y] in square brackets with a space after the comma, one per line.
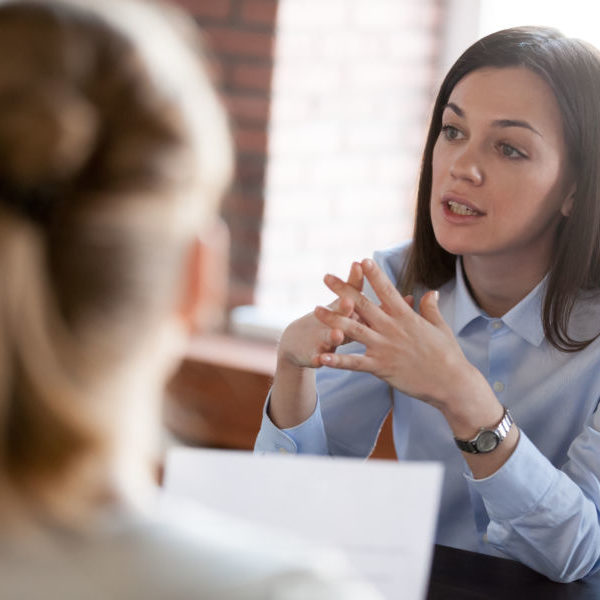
[487, 441]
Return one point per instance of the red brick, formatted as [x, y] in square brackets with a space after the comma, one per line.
[244, 271]
[240, 293]
[216, 70]
[243, 205]
[244, 252]
[248, 109]
[224, 40]
[250, 139]
[251, 77]
[244, 232]
[259, 12]
[249, 210]
[210, 9]
[245, 267]
[250, 171]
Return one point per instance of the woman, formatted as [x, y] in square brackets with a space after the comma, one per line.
[114, 152]
[496, 375]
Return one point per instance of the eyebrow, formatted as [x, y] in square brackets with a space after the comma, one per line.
[498, 122]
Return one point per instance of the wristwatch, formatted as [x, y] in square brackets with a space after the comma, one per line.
[487, 439]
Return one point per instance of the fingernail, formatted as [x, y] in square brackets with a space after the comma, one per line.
[367, 263]
[326, 358]
[436, 295]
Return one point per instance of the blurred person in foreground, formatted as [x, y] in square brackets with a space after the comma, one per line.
[114, 153]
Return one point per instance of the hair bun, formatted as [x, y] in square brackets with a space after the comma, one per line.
[47, 134]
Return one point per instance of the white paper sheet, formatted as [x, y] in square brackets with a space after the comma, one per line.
[382, 514]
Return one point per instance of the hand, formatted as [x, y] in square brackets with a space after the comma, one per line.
[416, 354]
[304, 340]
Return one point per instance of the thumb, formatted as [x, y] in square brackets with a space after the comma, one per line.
[429, 309]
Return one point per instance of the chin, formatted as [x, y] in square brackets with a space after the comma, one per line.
[460, 242]
[453, 246]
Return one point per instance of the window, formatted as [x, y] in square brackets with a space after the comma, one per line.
[352, 87]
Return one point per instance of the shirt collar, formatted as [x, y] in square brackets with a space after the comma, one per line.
[465, 309]
[525, 318]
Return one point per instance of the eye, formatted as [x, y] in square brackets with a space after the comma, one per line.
[510, 151]
[451, 133]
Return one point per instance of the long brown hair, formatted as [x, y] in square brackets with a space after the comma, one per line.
[571, 68]
[113, 154]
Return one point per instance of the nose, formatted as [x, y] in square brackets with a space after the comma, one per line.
[467, 167]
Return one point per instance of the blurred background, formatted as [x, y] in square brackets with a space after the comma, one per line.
[329, 102]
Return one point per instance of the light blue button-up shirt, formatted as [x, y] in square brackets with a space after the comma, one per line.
[542, 506]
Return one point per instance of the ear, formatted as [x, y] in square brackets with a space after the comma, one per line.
[567, 205]
[204, 291]
[191, 289]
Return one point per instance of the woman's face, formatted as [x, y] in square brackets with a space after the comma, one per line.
[500, 185]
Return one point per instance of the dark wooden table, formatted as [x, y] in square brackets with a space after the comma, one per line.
[461, 575]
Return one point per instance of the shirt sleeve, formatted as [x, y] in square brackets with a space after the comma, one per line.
[307, 437]
[546, 517]
[350, 411]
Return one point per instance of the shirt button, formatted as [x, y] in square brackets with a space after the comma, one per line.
[497, 325]
[498, 386]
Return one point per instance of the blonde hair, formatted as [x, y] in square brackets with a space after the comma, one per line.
[114, 152]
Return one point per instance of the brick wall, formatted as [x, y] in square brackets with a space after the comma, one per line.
[336, 93]
[240, 34]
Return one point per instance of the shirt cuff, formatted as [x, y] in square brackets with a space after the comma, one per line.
[519, 485]
[308, 437]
